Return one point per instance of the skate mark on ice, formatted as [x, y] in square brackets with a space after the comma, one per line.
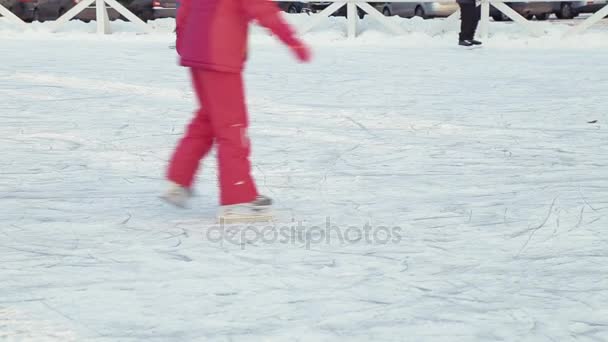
[535, 229]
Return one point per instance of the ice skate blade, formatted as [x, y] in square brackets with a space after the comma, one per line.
[472, 47]
[244, 218]
[178, 204]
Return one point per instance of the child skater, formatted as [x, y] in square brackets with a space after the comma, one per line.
[212, 41]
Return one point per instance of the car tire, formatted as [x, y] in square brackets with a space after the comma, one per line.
[500, 17]
[387, 12]
[566, 11]
[36, 16]
[146, 14]
[419, 12]
[60, 12]
[293, 9]
[543, 16]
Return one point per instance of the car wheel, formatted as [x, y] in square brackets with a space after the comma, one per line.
[361, 13]
[566, 11]
[60, 12]
[36, 16]
[146, 14]
[420, 12]
[386, 11]
[543, 16]
[294, 9]
[497, 17]
[529, 16]
[501, 17]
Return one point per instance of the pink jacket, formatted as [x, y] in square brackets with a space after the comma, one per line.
[212, 34]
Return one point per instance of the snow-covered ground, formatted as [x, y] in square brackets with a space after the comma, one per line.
[483, 167]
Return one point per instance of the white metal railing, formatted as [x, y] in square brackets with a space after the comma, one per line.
[11, 16]
[103, 23]
[101, 13]
[500, 5]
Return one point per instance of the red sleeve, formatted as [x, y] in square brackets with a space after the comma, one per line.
[267, 14]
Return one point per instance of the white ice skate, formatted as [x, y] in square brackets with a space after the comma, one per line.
[177, 195]
[258, 210]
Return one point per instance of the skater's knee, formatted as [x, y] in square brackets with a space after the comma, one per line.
[200, 129]
[232, 137]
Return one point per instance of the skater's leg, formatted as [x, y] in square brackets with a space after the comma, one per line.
[196, 142]
[467, 15]
[463, 15]
[223, 93]
[475, 21]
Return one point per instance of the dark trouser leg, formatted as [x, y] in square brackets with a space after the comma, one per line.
[469, 19]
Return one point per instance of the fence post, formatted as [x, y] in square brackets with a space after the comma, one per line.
[351, 14]
[103, 21]
[485, 19]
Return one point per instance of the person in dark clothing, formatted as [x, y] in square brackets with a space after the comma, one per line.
[469, 15]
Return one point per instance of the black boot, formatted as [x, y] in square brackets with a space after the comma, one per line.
[465, 42]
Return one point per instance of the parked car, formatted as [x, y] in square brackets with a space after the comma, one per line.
[90, 13]
[151, 9]
[144, 9]
[293, 6]
[590, 6]
[51, 9]
[542, 10]
[569, 10]
[23, 9]
[529, 10]
[43, 10]
[314, 7]
[418, 9]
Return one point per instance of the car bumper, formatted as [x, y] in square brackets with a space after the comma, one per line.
[28, 11]
[532, 7]
[162, 12]
[25, 11]
[441, 9]
[590, 7]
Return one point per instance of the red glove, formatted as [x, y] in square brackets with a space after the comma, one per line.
[302, 52]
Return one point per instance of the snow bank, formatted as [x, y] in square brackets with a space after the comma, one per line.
[420, 33]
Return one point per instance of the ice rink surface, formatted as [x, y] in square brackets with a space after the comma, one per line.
[466, 193]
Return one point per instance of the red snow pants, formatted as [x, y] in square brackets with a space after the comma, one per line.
[220, 120]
